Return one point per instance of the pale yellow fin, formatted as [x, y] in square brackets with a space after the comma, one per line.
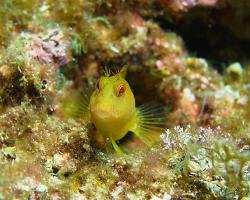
[76, 103]
[116, 147]
[151, 118]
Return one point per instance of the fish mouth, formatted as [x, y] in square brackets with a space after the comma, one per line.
[101, 114]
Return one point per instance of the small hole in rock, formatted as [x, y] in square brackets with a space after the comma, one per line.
[55, 170]
[44, 84]
[67, 174]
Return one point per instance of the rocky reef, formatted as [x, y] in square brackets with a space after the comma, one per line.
[191, 56]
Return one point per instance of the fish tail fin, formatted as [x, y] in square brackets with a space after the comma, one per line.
[76, 103]
[151, 118]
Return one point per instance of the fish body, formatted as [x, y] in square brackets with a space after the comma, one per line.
[112, 109]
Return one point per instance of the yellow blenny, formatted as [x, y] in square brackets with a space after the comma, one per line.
[111, 108]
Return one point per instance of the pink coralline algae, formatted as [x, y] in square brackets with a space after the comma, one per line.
[180, 6]
[208, 2]
[51, 49]
[192, 3]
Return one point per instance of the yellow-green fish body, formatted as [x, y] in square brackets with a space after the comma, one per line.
[111, 108]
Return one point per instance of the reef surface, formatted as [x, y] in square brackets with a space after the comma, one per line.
[192, 56]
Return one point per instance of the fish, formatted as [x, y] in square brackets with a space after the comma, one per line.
[111, 108]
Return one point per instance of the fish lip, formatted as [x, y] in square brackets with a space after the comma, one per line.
[101, 114]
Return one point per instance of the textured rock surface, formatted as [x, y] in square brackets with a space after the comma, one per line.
[50, 49]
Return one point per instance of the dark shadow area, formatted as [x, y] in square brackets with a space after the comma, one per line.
[208, 34]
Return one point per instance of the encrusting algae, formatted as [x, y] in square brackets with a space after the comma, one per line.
[53, 128]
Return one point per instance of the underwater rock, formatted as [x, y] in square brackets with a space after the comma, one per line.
[179, 7]
[29, 146]
[31, 65]
[51, 48]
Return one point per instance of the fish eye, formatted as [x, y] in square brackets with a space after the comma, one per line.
[120, 90]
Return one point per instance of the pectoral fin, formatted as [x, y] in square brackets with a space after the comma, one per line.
[116, 147]
[151, 117]
[76, 103]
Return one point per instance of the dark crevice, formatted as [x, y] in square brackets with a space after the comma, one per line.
[207, 35]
